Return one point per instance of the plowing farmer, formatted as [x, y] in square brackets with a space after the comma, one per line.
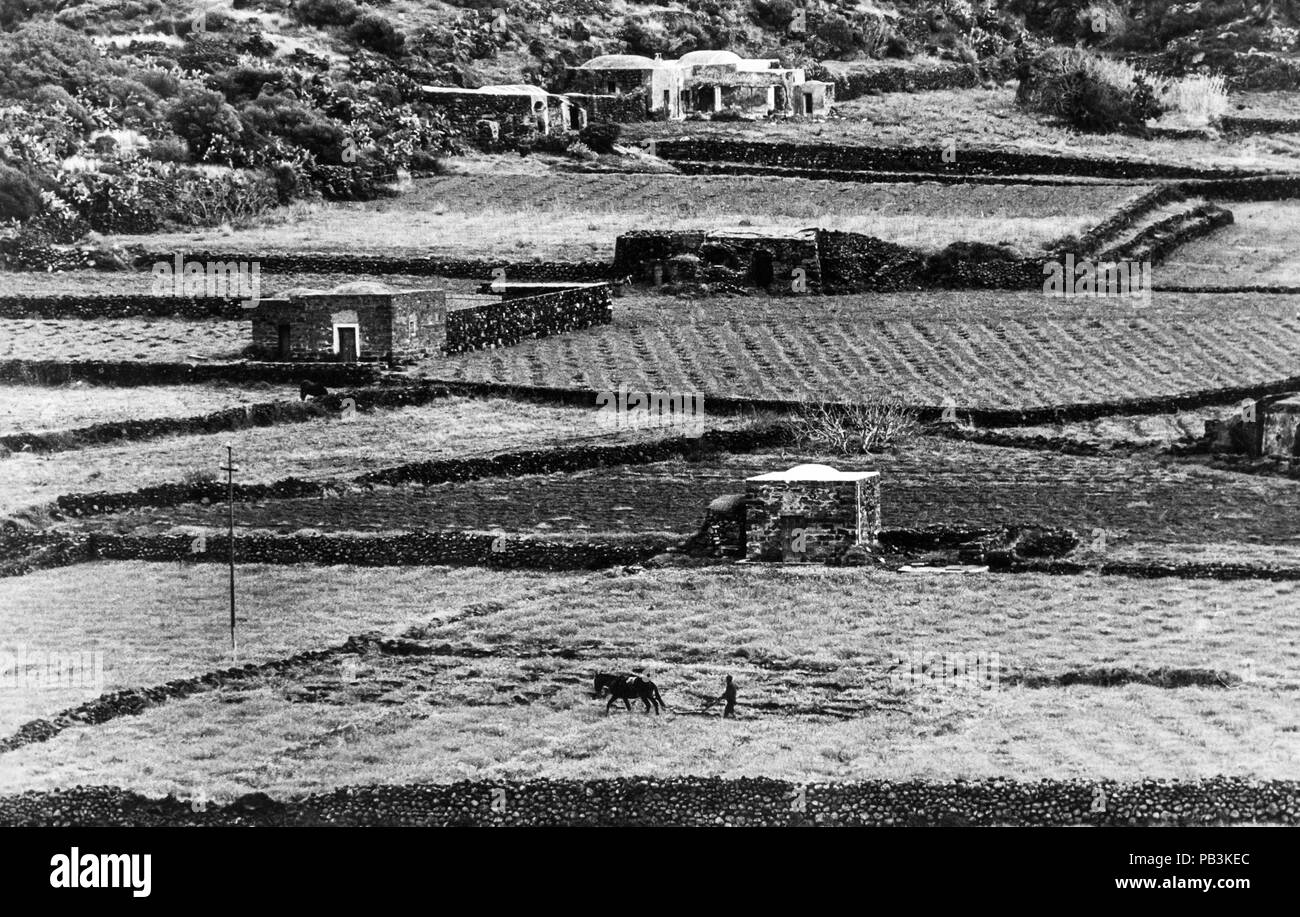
[729, 695]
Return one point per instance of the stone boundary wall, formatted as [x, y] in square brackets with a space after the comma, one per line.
[1258, 188]
[509, 464]
[1126, 217]
[510, 321]
[23, 552]
[1155, 242]
[923, 159]
[900, 78]
[264, 414]
[698, 802]
[347, 263]
[127, 373]
[1235, 125]
[985, 417]
[116, 306]
[690, 167]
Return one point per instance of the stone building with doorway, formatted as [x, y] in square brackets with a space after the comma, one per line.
[503, 113]
[811, 514]
[351, 323]
[658, 81]
[702, 82]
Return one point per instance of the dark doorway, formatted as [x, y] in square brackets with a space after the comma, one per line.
[282, 342]
[807, 103]
[348, 345]
[668, 102]
[794, 533]
[760, 269]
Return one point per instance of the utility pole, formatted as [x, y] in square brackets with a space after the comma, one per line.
[229, 469]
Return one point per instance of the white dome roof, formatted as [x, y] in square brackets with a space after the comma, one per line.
[625, 62]
[705, 58]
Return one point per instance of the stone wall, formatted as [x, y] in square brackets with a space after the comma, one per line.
[513, 320]
[697, 801]
[537, 461]
[265, 414]
[350, 263]
[91, 307]
[622, 108]
[128, 373]
[922, 159]
[898, 78]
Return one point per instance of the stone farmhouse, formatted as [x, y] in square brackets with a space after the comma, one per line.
[705, 82]
[494, 113]
[351, 323]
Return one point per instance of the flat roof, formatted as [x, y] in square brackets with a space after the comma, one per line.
[815, 473]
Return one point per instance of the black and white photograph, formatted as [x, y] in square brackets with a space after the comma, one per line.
[751, 414]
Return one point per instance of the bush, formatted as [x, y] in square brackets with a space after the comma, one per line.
[203, 119]
[853, 429]
[169, 149]
[378, 34]
[1090, 93]
[19, 198]
[601, 136]
[326, 12]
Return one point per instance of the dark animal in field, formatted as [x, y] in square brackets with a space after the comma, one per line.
[315, 389]
[627, 687]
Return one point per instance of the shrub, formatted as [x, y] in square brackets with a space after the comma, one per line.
[326, 12]
[203, 118]
[853, 429]
[1089, 92]
[378, 34]
[601, 135]
[169, 149]
[580, 150]
[19, 198]
[776, 13]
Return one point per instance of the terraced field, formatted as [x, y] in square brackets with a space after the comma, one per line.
[564, 216]
[982, 349]
[143, 340]
[325, 448]
[1258, 249]
[986, 119]
[501, 687]
[39, 408]
[927, 482]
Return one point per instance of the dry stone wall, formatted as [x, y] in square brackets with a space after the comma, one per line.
[699, 801]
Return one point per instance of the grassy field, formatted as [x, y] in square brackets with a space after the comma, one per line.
[318, 449]
[980, 348]
[1258, 249]
[37, 408]
[811, 651]
[561, 216]
[157, 622]
[983, 119]
[146, 340]
[1136, 500]
[140, 282]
